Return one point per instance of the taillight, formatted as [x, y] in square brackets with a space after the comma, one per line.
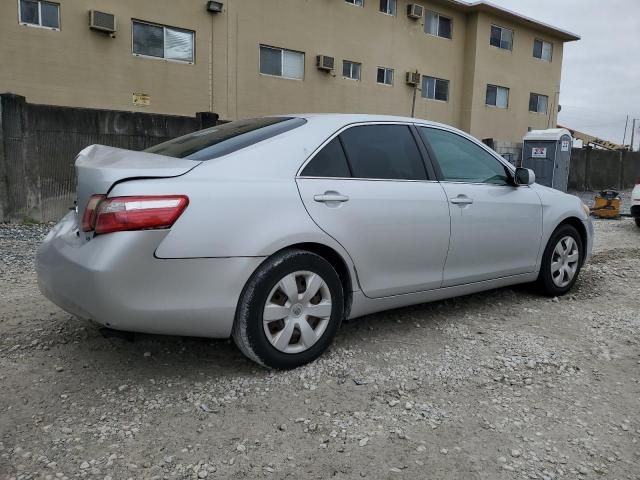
[139, 213]
[90, 211]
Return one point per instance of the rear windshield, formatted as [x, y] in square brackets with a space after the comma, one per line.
[226, 138]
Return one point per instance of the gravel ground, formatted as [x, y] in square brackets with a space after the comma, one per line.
[499, 385]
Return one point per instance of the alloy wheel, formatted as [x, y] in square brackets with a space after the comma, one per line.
[297, 312]
[564, 261]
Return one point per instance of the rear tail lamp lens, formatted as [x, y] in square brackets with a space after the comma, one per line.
[139, 213]
[90, 212]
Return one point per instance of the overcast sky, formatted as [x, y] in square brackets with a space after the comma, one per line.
[601, 72]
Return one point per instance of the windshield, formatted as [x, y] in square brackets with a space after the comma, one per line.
[226, 138]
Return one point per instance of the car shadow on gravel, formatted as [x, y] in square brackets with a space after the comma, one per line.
[143, 356]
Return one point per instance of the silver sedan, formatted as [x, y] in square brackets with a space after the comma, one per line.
[273, 230]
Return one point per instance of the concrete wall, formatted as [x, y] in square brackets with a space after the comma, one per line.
[39, 143]
[601, 169]
[75, 66]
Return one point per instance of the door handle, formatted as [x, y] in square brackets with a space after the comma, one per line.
[331, 197]
[461, 200]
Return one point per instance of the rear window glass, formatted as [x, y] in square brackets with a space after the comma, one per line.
[329, 162]
[226, 138]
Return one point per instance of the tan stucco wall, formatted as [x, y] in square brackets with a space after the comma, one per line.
[519, 71]
[80, 67]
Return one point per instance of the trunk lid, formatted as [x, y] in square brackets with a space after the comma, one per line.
[99, 167]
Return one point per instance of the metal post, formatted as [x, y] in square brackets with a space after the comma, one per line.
[626, 124]
[413, 103]
[633, 132]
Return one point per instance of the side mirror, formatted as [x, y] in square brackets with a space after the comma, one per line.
[524, 176]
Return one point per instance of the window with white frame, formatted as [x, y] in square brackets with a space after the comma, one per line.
[501, 37]
[497, 96]
[435, 88]
[538, 103]
[351, 70]
[280, 62]
[388, 6]
[385, 76]
[152, 40]
[40, 13]
[543, 50]
[357, 3]
[438, 25]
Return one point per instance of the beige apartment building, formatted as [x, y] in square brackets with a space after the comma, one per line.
[486, 70]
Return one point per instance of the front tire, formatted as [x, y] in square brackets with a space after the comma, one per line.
[290, 310]
[637, 221]
[561, 261]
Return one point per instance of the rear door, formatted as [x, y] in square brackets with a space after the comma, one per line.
[496, 227]
[369, 189]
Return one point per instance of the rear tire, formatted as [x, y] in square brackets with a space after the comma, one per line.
[284, 331]
[637, 222]
[561, 261]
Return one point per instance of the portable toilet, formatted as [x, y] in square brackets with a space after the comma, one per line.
[548, 154]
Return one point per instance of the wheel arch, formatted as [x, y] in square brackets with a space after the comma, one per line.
[337, 261]
[576, 223]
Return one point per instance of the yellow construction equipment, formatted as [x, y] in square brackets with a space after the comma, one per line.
[607, 204]
[594, 141]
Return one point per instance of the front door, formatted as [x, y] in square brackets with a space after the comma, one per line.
[368, 189]
[496, 227]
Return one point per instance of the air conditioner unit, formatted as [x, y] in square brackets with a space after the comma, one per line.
[105, 22]
[324, 62]
[413, 78]
[415, 11]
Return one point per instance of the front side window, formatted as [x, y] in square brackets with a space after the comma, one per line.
[501, 37]
[388, 6]
[385, 76]
[438, 25]
[159, 41]
[497, 96]
[351, 70]
[435, 88]
[538, 103]
[40, 13]
[461, 160]
[383, 152]
[357, 3]
[281, 63]
[543, 50]
[329, 162]
[227, 138]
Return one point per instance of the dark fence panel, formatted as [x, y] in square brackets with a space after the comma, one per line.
[39, 143]
[601, 169]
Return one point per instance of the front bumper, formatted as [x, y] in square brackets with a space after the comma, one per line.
[117, 281]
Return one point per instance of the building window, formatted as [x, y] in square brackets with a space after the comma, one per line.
[435, 89]
[385, 76]
[438, 25]
[357, 3]
[501, 37]
[388, 6]
[281, 63]
[158, 41]
[542, 50]
[538, 103]
[351, 70]
[497, 96]
[39, 13]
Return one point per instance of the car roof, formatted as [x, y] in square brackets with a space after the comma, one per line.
[328, 120]
[348, 118]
